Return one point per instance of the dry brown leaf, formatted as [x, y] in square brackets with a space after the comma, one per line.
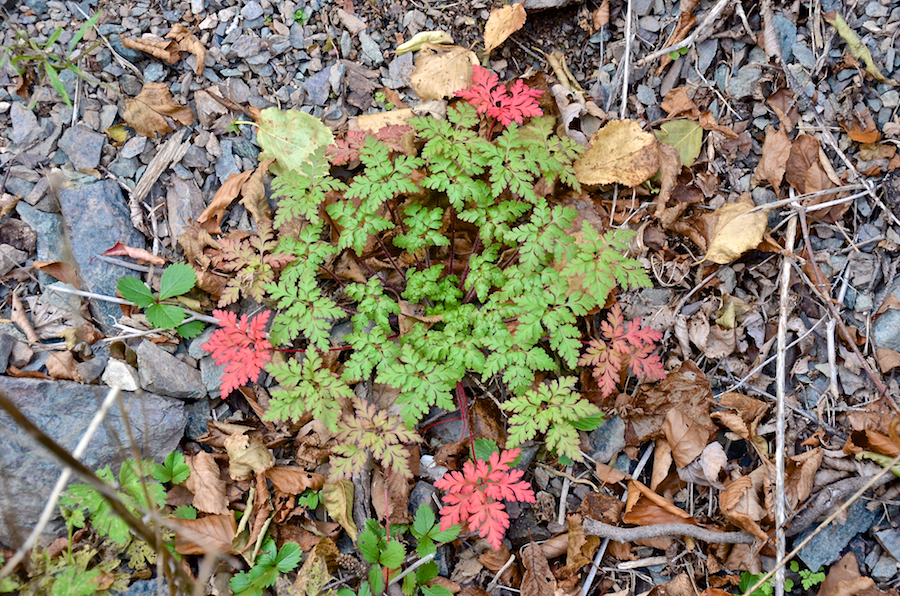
[670, 167]
[638, 490]
[600, 16]
[60, 270]
[167, 51]
[213, 534]
[397, 489]
[708, 122]
[740, 502]
[187, 42]
[223, 198]
[139, 254]
[538, 579]
[775, 152]
[705, 470]
[19, 317]
[207, 485]
[608, 474]
[146, 112]
[253, 194]
[502, 23]
[843, 578]
[580, 550]
[784, 105]
[62, 365]
[662, 462]
[442, 71]
[247, 455]
[293, 480]
[730, 231]
[338, 500]
[803, 170]
[645, 512]
[262, 508]
[801, 471]
[602, 507]
[869, 134]
[687, 438]
[620, 152]
[677, 103]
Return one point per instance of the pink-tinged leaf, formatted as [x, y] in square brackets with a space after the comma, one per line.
[474, 495]
[241, 346]
[490, 97]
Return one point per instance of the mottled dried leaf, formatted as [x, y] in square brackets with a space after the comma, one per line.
[167, 51]
[502, 23]
[223, 198]
[62, 365]
[294, 480]
[775, 152]
[210, 534]
[442, 71]
[205, 481]
[338, 500]
[730, 231]
[247, 455]
[145, 113]
[187, 42]
[620, 152]
[538, 579]
[687, 438]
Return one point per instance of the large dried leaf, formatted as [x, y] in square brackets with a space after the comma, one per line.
[314, 575]
[844, 579]
[167, 51]
[730, 231]
[338, 500]
[855, 45]
[207, 485]
[620, 152]
[145, 113]
[684, 135]
[187, 42]
[677, 103]
[397, 488]
[581, 548]
[293, 480]
[223, 198]
[705, 470]
[138, 254]
[803, 170]
[775, 152]
[442, 71]
[538, 579]
[638, 491]
[62, 365]
[502, 23]
[253, 194]
[289, 137]
[247, 455]
[210, 534]
[60, 270]
[687, 438]
[740, 502]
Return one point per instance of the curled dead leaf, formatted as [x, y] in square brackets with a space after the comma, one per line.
[247, 455]
[253, 194]
[146, 112]
[442, 71]
[732, 230]
[502, 23]
[205, 481]
[223, 198]
[294, 480]
[167, 51]
[620, 152]
[187, 42]
[139, 254]
[60, 270]
[687, 438]
[775, 152]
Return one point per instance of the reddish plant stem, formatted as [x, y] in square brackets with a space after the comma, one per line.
[331, 273]
[462, 280]
[464, 414]
[388, 255]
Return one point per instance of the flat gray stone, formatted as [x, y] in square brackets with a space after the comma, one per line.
[184, 203]
[97, 217]
[545, 4]
[370, 49]
[827, 546]
[252, 10]
[63, 410]
[25, 128]
[122, 375]
[318, 86]
[607, 440]
[163, 373]
[401, 68]
[82, 146]
[52, 243]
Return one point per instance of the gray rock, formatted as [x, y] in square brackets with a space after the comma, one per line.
[318, 86]
[198, 6]
[245, 148]
[10, 256]
[133, 147]
[83, 146]
[122, 375]
[52, 244]
[196, 157]
[525, 528]
[296, 36]
[400, 68]
[804, 55]
[890, 99]
[827, 546]
[90, 370]
[545, 4]
[742, 84]
[786, 31]
[154, 73]
[244, 46]
[25, 128]
[225, 164]
[96, 218]
[351, 23]
[124, 167]
[370, 49]
[646, 95]
[195, 349]
[184, 203]
[886, 330]
[876, 10]
[38, 6]
[197, 414]
[63, 410]
[251, 10]
[884, 569]
[6, 346]
[890, 540]
[145, 587]
[163, 373]
[212, 374]
[421, 494]
[108, 115]
[607, 440]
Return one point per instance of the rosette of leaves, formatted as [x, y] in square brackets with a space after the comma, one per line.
[176, 280]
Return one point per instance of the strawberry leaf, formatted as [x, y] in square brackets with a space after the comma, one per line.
[177, 279]
[165, 316]
[134, 290]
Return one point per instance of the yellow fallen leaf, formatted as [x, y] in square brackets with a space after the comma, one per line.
[731, 231]
[145, 113]
[117, 133]
[620, 152]
[420, 39]
[502, 23]
[247, 455]
[441, 72]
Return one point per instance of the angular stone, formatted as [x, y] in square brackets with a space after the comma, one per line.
[63, 410]
[52, 244]
[184, 203]
[97, 217]
[400, 68]
[318, 86]
[608, 439]
[10, 257]
[122, 375]
[163, 373]
[351, 23]
[828, 545]
[6, 345]
[25, 128]
[83, 146]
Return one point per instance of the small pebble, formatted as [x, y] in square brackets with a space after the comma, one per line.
[251, 11]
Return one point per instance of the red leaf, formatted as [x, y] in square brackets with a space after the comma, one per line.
[241, 346]
[473, 495]
[506, 106]
[345, 150]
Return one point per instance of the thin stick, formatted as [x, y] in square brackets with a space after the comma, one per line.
[411, 568]
[711, 16]
[781, 367]
[593, 527]
[196, 316]
[626, 59]
[50, 505]
[564, 496]
[496, 580]
[822, 526]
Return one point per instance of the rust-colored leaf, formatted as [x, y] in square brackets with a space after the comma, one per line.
[775, 152]
[685, 435]
[253, 194]
[167, 51]
[609, 475]
[600, 16]
[18, 316]
[146, 113]
[502, 23]
[223, 198]
[294, 480]
[803, 170]
[740, 502]
[869, 134]
[844, 579]
[60, 270]
[538, 579]
[139, 254]
[677, 103]
[210, 534]
[187, 42]
[581, 548]
[784, 105]
[207, 485]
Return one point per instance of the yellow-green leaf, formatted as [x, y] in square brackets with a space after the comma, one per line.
[338, 500]
[855, 45]
[684, 135]
[289, 138]
[420, 39]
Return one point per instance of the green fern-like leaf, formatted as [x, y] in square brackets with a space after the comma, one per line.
[303, 192]
[254, 262]
[554, 409]
[307, 388]
[304, 310]
[422, 384]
